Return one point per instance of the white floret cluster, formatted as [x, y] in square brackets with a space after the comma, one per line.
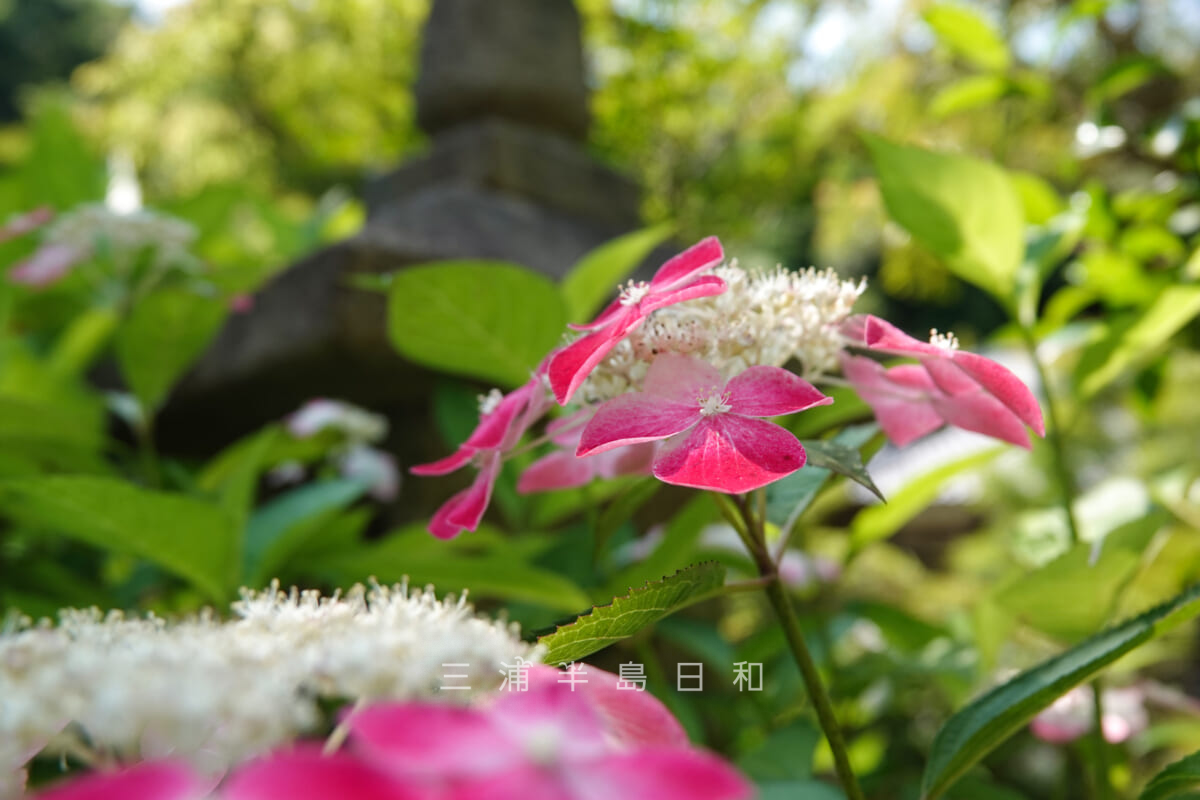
[95, 229]
[107, 687]
[764, 318]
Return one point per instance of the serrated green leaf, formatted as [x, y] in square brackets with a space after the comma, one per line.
[1177, 781]
[625, 616]
[596, 276]
[163, 334]
[969, 35]
[195, 540]
[963, 210]
[974, 731]
[484, 319]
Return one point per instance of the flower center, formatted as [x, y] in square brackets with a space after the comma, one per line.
[633, 292]
[489, 402]
[946, 341]
[542, 744]
[715, 403]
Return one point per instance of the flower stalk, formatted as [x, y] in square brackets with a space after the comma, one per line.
[750, 527]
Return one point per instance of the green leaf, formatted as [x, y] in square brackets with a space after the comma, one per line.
[83, 341]
[879, 522]
[1036, 598]
[163, 334]
[451, 568]
[595, 278]
[1177, 781]
[604, 625]
[288, 521]
[1038, 198]
[195, 540]
[483, 319]
[788, 497]
[785, 755]
[986, 722]
[969, 35]
[962, 209]
[967, 93]
[1175, 307]
[231, 477]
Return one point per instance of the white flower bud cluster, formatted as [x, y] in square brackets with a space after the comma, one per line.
[123, 238]
[764, 318]
[110, 687]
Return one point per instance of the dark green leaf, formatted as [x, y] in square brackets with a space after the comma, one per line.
[975, 730]
[604, 625]
[1178, 781]
[192, 539]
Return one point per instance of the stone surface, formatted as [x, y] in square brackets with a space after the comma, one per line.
[517, 59]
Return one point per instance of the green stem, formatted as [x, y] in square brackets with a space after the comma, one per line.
[1103, 790]
[751, 530]
[1054, 435]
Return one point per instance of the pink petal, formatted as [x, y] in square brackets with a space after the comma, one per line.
[49, 264]
[570, 366]
[460, 458]
[659, 773]
[900, 397]
[682, 379]
[606, 317]
[770, 392]
[464, 510]
[700, 256]
[704, 286]
[1005, 386]
[634, 418]
[558, 724]
[632, 460]
[495, 427]
[431, 740]
[631, 718]
[870, 331]
[308, 775]
[565, 431]
[161, 780]
[24, 223]
[561, 469]
[981, 413]
[729, 453]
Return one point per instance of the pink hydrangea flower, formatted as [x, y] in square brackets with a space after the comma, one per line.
[676, 280]
[28, 222]
[948, 386]
[1071, 716]
[500, 427]
[714, 437]
[562, 469]
[49, 264]
[547, 741]
[305, 773]
[155, 780]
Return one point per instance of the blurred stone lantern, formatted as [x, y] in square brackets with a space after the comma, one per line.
[502, 95]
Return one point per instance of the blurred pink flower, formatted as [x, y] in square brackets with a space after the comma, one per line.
[21, 224]
[305, 773]
[502, 423]
[562, 469]
[714, 439]
[675, 281]
[241, 303]
[377, 468]
[1071, 716]
[49, 264]
[154, 780]
[949, 386]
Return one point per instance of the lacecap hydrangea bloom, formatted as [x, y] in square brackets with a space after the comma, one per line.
[680, 374]
[112, 688]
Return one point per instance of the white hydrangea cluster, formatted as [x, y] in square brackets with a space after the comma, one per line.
[94, 228]
[111, 687]
[764, 318]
